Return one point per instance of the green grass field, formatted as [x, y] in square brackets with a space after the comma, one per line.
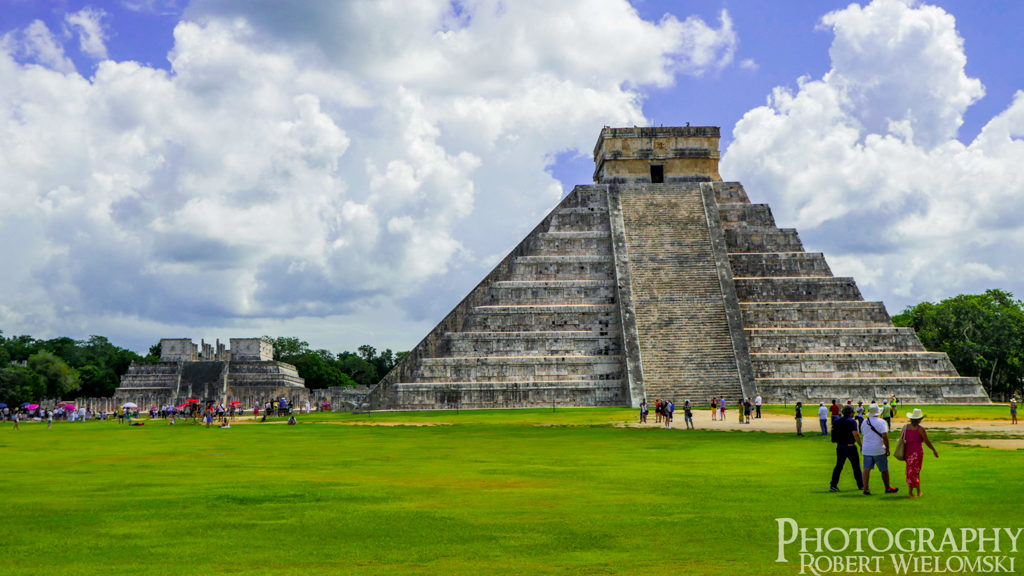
[497, 492]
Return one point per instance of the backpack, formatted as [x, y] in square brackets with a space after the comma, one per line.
[834, 436]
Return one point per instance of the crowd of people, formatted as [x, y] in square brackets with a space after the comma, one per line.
[198, 412]
[860, 433]
[853, 429]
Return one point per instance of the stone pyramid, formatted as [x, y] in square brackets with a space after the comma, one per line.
[661, 281]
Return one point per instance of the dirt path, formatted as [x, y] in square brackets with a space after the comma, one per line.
[787, 424]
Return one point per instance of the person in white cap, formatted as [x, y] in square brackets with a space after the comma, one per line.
[875, 449]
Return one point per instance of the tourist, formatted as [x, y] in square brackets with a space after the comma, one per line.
[658, 411]
[823, 418]
[914, 435]
[747, 407]
[291, 420]
[846, 439]
[799, 418]
[757, 405]
[860, 415]
[255, 411]
[714, 409]
[721, 409]
[643, 411]
[688, 415]
[1013, 410]
[670, 412]
[49, 419]
[14, 418]
[875, 449]
[834, 411]
[887, 415]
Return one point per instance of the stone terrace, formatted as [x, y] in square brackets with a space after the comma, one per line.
[810, 334]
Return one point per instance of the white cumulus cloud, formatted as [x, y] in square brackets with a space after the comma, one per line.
[866, 164]
[329, 165]
[87, 23]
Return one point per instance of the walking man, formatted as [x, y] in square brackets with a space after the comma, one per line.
[876, 449]
[846, 439]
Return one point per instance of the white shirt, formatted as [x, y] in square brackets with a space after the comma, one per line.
[822, 413]
[757, 401]
[873, 445]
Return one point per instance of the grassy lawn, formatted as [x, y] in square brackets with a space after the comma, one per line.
[497, 492]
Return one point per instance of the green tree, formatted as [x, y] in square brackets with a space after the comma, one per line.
[320, 371]
[19, 348]
[286, 347]
[58, 378]
[983, 335]
[19, 385]
[360, 370]
[96, 382]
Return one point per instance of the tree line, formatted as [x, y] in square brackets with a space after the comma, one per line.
[983, 335]
[33, 369]
[324, 369]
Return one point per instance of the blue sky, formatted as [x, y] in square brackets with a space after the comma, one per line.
[346, 172]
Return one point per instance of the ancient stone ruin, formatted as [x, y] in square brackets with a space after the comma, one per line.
[661, 280]
[247, 372]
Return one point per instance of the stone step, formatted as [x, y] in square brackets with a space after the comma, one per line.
[792, 340]
[580, 219]
[520, 368]
[730, 193]
[910, 390]
[541, 342]
[548, 317]
[519, 292]
[509, 394]
[846, 314]
[580, 267]
[571, 243]
[746, 215]
[796, 289]
[587, 197]
[752, 239]
[776, 264]
[859, 364]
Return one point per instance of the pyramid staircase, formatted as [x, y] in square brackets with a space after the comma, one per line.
[811, 334]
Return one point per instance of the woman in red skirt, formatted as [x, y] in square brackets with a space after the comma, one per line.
[914, 437]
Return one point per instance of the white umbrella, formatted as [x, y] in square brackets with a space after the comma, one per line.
[129, 405]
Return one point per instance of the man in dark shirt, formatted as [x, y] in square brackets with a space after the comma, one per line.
[846, 438]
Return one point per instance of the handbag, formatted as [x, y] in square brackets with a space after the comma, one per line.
[901, 447]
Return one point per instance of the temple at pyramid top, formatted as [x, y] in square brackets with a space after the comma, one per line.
[661, 281]
[657, 155]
